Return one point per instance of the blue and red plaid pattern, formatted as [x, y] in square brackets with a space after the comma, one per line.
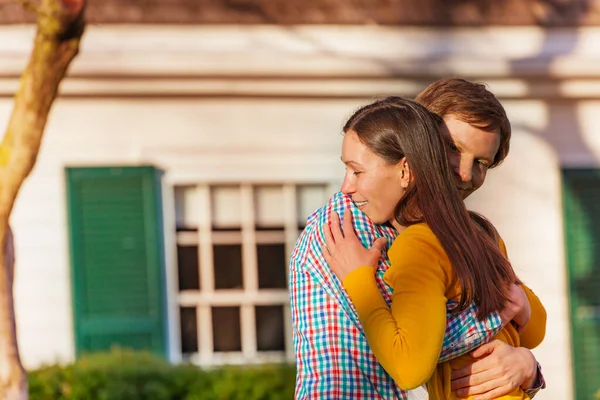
[333, 358]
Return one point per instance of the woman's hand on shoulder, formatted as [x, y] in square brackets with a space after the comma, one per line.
[343, 251]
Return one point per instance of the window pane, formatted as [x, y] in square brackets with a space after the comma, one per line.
[269, 328]
[271, 266]
[226, 329]
[226, 202]
[268, 206]
[189, 330]
[187, 205]
[309, 199]
[228, 266]
[187, 263]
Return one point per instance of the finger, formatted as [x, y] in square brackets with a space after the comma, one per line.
[494, 394]
[506, 314]
[380, 245]
[472, 380]
[485, 349]
[461, 373]
[326, 255]
[516, 325]
[478, 366]
[483, 390]
[348, 226]
[336, 230]
[516, 293]
[329, 241]
[482, 365]
[460, 383]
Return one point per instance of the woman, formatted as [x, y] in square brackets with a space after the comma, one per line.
[442, 253]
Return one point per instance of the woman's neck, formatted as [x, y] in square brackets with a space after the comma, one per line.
[396, 225]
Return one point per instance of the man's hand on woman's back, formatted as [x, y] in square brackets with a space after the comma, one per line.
[502, 369]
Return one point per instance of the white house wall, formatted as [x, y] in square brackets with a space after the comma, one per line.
[178, 136]
[258, 104]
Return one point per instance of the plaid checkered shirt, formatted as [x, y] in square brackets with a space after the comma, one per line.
[333, 358]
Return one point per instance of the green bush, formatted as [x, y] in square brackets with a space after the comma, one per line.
[128, 375]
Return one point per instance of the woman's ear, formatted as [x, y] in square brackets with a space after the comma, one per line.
[404, 172]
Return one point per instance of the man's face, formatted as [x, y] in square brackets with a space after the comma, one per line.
[471, 152]
[373, 184]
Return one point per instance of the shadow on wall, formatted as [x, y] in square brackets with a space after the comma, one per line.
[562, 114]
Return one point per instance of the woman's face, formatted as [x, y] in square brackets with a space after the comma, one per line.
[374, 185]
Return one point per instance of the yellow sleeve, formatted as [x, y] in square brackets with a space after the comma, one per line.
[535, 331]
[406, 338]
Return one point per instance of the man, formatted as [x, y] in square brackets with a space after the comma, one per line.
[333, 358]
[479, 139]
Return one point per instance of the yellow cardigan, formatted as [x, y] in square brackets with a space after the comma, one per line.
[407, 338]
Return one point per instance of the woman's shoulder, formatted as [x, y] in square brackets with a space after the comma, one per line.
[418, 236]
[420, 231]
[421, 228]
[417, 249]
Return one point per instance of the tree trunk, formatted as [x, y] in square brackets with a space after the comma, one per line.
[60, 24]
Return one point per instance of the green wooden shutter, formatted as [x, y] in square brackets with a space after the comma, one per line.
[581, 190]
[117, 260]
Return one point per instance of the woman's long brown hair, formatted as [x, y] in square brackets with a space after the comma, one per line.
[395, 128]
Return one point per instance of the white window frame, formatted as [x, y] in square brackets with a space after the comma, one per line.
[248, 168]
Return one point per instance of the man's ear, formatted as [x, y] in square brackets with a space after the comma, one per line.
[404, 172]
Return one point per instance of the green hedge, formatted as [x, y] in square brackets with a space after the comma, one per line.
[127, 375]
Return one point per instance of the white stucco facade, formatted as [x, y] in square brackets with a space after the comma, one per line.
[266, 104]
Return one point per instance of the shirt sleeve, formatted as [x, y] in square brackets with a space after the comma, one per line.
[538, 385]
[465, 332]
[406, 338]
[321, 319]
[312, 362]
